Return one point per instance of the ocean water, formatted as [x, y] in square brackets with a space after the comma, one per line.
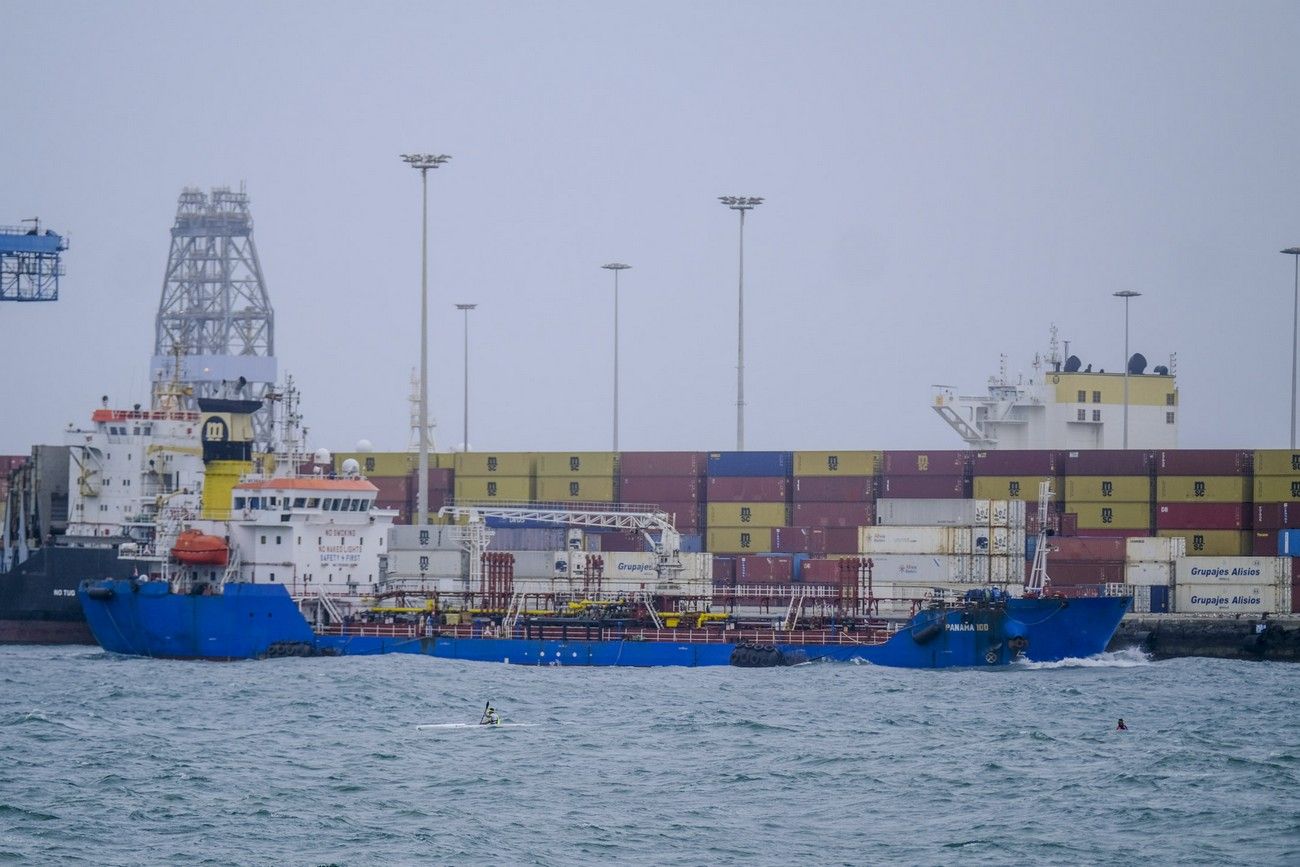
[111, 760]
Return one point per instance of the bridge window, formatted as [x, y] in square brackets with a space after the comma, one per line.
[1083, 396]
[1096, 415]
[313, 502]
[1096, 397]
[299, 502]
[1169, 418]
[240, 501]
[1083, 415]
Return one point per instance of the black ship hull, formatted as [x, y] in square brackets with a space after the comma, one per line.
[38, 597]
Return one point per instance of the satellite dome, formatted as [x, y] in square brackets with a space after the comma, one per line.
[1072, 364]
[351, 467]
[364, 445]
[322, 456]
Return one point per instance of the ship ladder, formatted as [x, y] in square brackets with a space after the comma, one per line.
[328, 605]
[648, 601]
[512, 614]
[796, 608]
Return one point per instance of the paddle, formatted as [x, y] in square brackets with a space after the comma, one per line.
[486, 705]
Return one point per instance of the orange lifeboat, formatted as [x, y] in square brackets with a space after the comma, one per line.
[200, 549]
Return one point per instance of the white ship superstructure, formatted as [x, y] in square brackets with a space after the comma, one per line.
[1064, 405]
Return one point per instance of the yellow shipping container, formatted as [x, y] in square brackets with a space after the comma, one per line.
[1212, 543]
[837, 463]
[747, 515]
[219, 480]
[733, 540]
[495, 464]
[1107, 489]
[1276, 462]
[589, 489]
[1012, 487]
[1203, 489]
[391, 465]
[515, 489]
[576, 464]
[380, 464]
[1112, 516]
[1277, 489]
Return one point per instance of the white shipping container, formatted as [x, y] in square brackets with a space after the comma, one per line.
[1232, 598]
[921, 568]
[898, 512]
[1148, 574]
[1155, 549]
[991, 540]
[914, 540]
[1141, 599]
[436, 536]
[1232, 570]
[428, 563]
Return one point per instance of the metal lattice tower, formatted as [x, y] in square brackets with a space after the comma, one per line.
[215, 310]
[30, 266]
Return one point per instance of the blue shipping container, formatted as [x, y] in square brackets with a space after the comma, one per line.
[692, 543]
[1159, 600]
[750, 463]
[1288, 543]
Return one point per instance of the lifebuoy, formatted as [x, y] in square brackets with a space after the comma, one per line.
[991, 657]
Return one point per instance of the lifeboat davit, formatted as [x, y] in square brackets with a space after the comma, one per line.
[200, 549]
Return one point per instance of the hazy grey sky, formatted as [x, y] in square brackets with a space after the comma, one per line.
[943, 182]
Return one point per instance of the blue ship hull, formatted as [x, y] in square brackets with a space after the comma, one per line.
[255, 621]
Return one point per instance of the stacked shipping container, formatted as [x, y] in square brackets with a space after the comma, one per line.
[1203, 496]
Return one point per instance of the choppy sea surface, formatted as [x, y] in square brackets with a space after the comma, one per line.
[112, 760]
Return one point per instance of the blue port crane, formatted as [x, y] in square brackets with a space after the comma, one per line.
[30, 262]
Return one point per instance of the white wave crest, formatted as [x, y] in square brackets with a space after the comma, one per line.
[1129, 657]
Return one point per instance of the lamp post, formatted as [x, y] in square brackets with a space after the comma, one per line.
[616, 267]
[741, 204]
[466, 308]
[1126, 294]
[1294, 252]
[424, 162]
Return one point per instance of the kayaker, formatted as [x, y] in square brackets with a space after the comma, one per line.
[490, 717]
[1121, 727]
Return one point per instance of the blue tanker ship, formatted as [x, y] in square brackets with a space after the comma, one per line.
[257, 621]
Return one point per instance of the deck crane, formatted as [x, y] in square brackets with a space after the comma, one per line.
[30, 262]
[654, 524]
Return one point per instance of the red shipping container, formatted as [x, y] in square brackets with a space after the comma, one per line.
[662, 463]
[833, 489]
[392, 488]
[439, 479]
[834, 514]
[686, 516]
[828, 571]
[1264, 543]
[620, 542]
[1276, 516]
[724, 570]
[1094, 548]
[659, 489]
[760, 568]
[1204, 462]
[841, 540]
[798, 540]
[1202, 516]
[941, 463]
[1017, 462]
[1295, 598]
[1068, 573]
[1107, 462]
[747, 489]
[925, 487]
